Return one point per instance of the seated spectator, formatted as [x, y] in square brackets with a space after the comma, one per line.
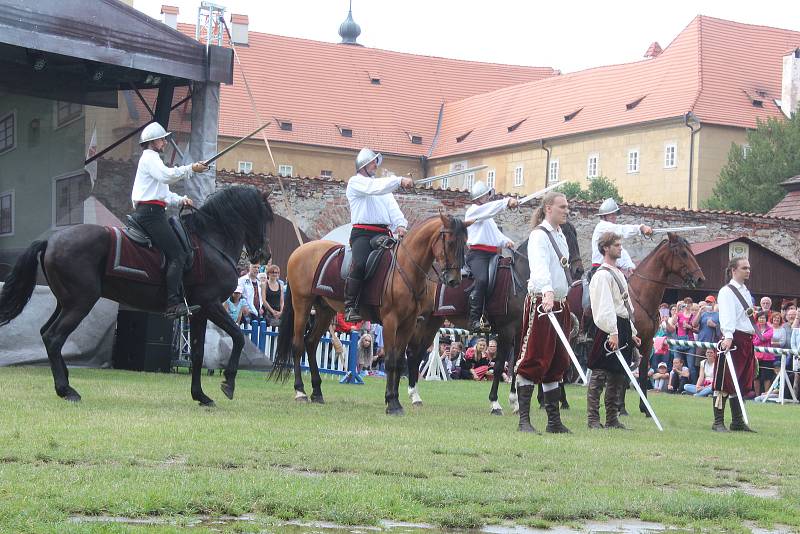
[365, 353]
[678, 377]
[660, 377]
[237, 308]
[766, 361]
[703, 387]
[456, 357]
[480, 362]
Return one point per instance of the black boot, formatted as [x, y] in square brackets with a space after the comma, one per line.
[524, 395]
[737, 420]
[475, 310]
[352, 290]
[554, 424]
[174, 311]
[719, 416]
[615, 390]
[593, 392]
[621, 405]
[564, 402]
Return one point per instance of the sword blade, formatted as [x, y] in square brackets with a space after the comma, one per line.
[678, 229]
[538, 194]
[234, 145]
[638, 388]
[565, 342]
[729, 361]
[426, 181]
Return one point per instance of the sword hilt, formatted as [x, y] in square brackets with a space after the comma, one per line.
[540, 310]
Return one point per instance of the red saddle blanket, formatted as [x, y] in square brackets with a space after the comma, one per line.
[454, 300]
[134, 262]
[328, 281]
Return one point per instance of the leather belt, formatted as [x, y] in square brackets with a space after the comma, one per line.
[373, 228]
[486, 248]
[153, 202]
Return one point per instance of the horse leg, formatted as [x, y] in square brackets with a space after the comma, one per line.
[52, 318]
[396, 342]
[59, 329]
[512, 394]
[644, 367]
[221, 318]
[503, 352]
[414, 358]
[198, 323]
[302, 311]
[321, 324]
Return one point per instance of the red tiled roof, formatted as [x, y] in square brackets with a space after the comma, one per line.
[705, 246]
[788, 207]
[654, 50]
[170, 10]
[319, 86]
[239, 19]
[708, 69]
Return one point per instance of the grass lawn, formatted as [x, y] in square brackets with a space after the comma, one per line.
[138, 447]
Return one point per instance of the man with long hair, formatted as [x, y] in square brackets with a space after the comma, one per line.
[738, 327]
[543, 359]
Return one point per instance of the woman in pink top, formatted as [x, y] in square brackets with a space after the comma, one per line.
[766, 361]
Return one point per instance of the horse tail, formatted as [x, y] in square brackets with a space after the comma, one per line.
[284, 354]
[19, 285]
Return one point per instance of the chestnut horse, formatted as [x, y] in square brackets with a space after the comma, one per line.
[440, 239]
[73, 261]
[505, 327]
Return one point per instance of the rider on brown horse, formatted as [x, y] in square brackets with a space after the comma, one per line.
[150, 197]
[373, 212]
[608, 223]
[485, 241]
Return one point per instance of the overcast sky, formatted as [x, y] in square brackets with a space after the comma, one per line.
[565, 35]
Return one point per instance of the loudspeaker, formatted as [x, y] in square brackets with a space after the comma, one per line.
[143, 341]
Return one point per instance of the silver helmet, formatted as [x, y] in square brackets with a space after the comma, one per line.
[480, 189]
[365, 156]
[152, 132]
[608, 207]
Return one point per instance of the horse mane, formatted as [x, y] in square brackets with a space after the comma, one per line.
[231, 210]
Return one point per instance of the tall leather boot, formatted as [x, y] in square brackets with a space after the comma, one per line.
[352, 290]
[737, 420]
[524, 395]
[615, 387]
[593, 393]
[554, 424]
[562, 387]
[621, 410]
[475, 310]
[176, 307]
[719, 415]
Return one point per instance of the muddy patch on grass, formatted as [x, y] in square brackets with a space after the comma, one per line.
[770, 492]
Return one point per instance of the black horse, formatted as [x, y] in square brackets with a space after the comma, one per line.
[73, 262]
[505, 327]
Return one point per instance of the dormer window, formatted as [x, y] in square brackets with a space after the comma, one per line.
[516, 125]
[374, 78]
[569, 116]
[285, 125]
[756, 98]
[630, 105]
[415, 139]
[345, 132]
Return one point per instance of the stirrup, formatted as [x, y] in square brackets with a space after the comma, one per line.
[180, 310]
[352, 315]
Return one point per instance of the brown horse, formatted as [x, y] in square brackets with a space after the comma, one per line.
[74, 259]
[505, 327]
[440, 239]
[671, 261]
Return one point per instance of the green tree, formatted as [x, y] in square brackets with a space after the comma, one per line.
[600, 188]
[751, 182]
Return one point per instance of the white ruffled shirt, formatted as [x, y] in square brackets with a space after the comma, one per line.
[732, 316]
[622, 230]
[606, 299]
[371, 201]
[153, 179]
[484, 230]
[546, 271]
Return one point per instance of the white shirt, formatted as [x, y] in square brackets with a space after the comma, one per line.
[484, 230]
[372, 202]
[153, 179]
[731, 314]
[546, 271]
[606, 300]
[248, 292]
[622, 230]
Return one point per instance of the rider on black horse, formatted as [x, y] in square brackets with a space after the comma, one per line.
[485, 240]
[373, 211]
[151, 196]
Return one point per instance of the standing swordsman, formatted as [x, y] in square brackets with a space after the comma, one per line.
[543, 359]
[613, 314]
[373, 212]
[737, 322]
[485, 241]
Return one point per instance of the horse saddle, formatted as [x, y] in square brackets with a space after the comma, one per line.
[132, 256]
[502, 284]
[334, 266]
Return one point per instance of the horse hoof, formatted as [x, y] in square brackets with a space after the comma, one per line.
[318, 399]
[497, 411]
[69, 395]
[207, 403]
[417, 403]
[395, 411]
[227, 389]
[301, 397]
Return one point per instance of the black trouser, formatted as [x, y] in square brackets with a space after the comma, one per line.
[359, 243]
[478, 262]
[153, 219]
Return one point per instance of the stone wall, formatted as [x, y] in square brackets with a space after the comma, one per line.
[320, 205]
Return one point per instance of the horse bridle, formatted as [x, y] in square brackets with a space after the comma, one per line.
[439, 273]
[685, 274]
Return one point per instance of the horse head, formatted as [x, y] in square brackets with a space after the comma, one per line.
[682, 262]
[448, 249]
[256, 241]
